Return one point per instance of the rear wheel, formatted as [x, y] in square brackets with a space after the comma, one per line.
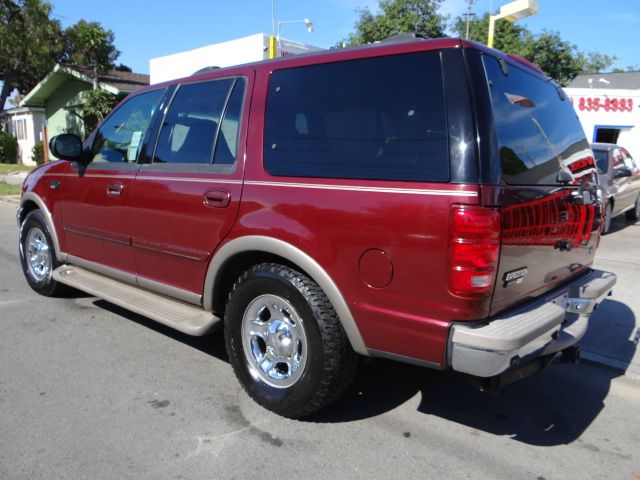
[285, 342]
[37, 255]
[634, 213]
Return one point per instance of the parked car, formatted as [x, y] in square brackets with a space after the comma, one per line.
[619, 177]
[413, 201]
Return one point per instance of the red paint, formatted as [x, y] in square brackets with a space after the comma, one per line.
[376, 268]
[389, 252]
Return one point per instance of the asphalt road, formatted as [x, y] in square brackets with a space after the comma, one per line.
[90, 391]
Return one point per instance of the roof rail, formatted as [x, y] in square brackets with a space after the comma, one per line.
[403, 37]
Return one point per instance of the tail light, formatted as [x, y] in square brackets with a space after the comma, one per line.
[474, 249]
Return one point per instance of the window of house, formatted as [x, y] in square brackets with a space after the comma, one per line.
[20, 128]
[378, 118]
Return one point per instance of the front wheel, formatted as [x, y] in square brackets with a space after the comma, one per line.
[37, 255]
[285, 342]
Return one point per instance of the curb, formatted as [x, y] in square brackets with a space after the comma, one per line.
[14, 199]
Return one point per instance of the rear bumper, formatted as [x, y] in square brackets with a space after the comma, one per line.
[539, 329]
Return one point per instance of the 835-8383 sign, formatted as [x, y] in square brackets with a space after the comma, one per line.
[608, 104]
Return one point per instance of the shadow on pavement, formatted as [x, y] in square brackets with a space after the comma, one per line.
[552, 407]
[211, 344]
[612, 332]
[620, 223]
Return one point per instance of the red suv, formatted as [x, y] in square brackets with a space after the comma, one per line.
[425, 201]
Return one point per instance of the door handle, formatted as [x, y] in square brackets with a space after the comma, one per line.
[115, 189]
[54, 184]
[217, 198]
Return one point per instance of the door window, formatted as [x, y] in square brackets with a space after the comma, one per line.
[192, 130]
[119, 138]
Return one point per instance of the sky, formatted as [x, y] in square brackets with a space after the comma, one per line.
[147, 29]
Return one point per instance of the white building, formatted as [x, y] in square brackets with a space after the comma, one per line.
[234, 52]
[608, 106]
[26, 125]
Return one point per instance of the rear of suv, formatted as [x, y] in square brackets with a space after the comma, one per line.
[429, 202]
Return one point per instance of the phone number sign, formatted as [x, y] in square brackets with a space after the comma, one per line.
[607, 104]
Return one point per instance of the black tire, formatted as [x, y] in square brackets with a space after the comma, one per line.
[634, 213]
[329, 361]
[34, 230]
[606, 221]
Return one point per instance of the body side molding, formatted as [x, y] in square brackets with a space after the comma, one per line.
[132, 279]
[253, 243]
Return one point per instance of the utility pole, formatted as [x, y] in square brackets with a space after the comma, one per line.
[469, 5]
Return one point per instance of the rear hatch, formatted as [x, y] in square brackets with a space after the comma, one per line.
[550, 214]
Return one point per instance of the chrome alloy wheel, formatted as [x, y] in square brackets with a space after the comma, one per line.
[274, 341]
[38, 255]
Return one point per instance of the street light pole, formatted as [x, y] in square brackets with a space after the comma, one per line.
[274, 41]
[511, 12]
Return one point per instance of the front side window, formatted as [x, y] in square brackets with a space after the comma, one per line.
[119, 138]
[379, 118]
[202, 119]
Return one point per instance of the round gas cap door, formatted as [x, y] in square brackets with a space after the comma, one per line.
[376, 268]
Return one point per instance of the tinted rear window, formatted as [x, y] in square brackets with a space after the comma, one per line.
[538, 132]
[378, 118]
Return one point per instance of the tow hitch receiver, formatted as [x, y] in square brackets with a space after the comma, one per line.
[519, 371]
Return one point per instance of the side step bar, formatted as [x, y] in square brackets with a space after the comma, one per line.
[173, 313]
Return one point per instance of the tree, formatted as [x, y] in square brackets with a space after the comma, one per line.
[558, 58]
[398, 16]
[31, 43]
[509, 37]
[89, 44]
[595, 62]
[630, 68]
[97, 104]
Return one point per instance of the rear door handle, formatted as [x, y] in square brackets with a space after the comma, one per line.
[115, 189]
[217, 198]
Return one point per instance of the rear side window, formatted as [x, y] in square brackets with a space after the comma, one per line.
[538, 132]
[194, 124]
[378, 118]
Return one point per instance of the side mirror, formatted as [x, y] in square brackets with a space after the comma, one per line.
[621, 172]
[67, 147]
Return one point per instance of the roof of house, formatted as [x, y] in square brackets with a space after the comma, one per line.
[113, 81]
[617, 80]
[126, 82]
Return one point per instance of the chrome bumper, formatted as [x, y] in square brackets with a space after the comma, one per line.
[552, 324]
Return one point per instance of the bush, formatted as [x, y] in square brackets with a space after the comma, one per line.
[8, 148]
[37, 153]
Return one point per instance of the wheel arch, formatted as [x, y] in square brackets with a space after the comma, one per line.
[30, 202]
[239, 254]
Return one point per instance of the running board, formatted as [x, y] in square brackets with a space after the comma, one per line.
[173, 313]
